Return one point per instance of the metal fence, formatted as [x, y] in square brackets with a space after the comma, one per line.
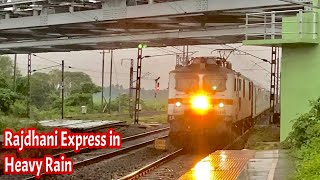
[290, 24]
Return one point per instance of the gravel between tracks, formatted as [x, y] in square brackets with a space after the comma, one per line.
[131, 130]
[119, 166]
[175, 168]
[124, 131]
[83, 156]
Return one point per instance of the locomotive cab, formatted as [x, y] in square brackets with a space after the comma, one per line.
[199, 101]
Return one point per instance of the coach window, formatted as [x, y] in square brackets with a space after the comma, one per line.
[250, 87]
[244, 88]
[186, 82]
[214, 83]
[235, 84]
[239, 84]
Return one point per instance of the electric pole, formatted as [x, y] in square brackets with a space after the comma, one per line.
[29, 86]
[137, 106]
[156, 86]
[62, 89]
[131, 88]
[111, 64]
[102, 84]
[15, 73]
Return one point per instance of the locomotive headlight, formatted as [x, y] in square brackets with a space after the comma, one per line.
[200, 102]
[221, 105]
[178, 104]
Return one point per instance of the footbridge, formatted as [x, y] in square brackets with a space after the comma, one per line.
[58, 26]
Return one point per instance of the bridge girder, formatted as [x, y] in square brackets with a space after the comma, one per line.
[115, 24]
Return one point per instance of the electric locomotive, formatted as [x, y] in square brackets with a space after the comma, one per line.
[209, 101]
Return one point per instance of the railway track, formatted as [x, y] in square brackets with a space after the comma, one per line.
[142, 139]
[155, 164]
[151, 166]
[70, 153]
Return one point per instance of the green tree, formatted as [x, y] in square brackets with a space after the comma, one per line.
[83, 95]
[79, 99]
[7, 96]
[89, 87]
[120, 103]
[40, 90]
[3, 82]
[73, 81]
[22, 86]
[6, 68]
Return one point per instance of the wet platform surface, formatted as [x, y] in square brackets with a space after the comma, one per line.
[243, 165]
[269, 165]
[81, 125]
[226, 164]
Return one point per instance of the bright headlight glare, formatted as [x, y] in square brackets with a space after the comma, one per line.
[221, 105]
[200, 102]
[178, 104]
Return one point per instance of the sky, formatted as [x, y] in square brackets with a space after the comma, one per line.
[90, 62]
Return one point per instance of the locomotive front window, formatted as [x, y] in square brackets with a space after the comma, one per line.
[214, 83]
[187, 83]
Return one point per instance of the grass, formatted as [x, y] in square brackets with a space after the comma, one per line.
[160, 117]
[264, 138]
[154, 119]
[100, 116]
[16, 123]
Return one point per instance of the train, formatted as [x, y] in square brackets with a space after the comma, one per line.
[210, 102]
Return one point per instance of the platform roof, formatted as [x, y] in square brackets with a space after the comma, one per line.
[33, 26]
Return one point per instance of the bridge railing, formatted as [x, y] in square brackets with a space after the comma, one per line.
[286, 25]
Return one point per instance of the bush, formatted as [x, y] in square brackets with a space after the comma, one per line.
[309, 169]
[305, 143]
[19, 109]
[16, 124]
[44, 115]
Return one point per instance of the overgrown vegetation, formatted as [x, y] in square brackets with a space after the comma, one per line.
[44, 96]
[16, 123]
[264, 138]
[305, 143]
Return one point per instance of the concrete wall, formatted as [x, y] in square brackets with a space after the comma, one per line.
[300, 82]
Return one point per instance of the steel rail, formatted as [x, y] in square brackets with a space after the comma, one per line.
[144, 170]
[108, 155]
[151, 166]
[86, 150]
[130, 138]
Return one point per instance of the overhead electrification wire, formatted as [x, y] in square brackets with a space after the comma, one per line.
[94, 71]
[201, 47]
[36, 70]
[33, 65]
[158, 55]
[46, 59]
[257, 64]
[165, 50]
[74, 67]
[262, 59]
[176, 48]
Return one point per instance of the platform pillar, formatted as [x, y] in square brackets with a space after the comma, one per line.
[300, 63]
[300, 71]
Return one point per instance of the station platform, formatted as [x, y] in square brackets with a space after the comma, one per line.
[81, 125]
[242, 165]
